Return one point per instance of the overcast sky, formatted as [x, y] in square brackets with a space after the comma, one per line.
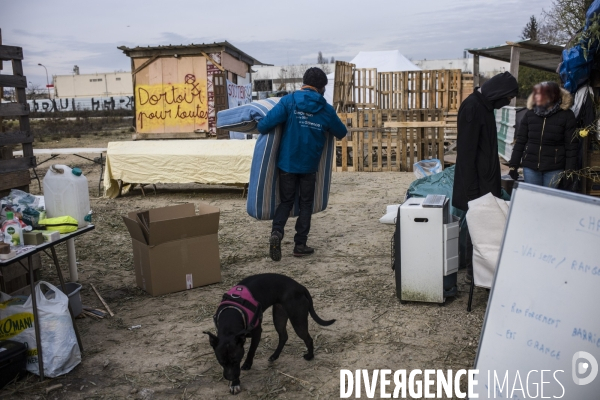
[62, 33]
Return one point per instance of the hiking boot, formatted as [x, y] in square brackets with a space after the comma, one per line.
[301, 250]
[275, 246]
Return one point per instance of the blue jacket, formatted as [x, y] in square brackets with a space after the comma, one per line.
[308, 118]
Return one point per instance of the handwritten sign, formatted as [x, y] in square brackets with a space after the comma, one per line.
[182, 104]
[238, 95]
[542, 327]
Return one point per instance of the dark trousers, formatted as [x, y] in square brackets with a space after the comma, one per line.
[465, 246]
[289, 185]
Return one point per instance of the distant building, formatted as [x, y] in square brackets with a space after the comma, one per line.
[267, 78]
[487, 67]
[99, 85]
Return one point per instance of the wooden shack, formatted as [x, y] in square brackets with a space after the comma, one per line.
[178, 90]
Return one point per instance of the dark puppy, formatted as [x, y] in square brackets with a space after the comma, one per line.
[290, 300]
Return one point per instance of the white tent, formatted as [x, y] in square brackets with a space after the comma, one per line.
[384, 61]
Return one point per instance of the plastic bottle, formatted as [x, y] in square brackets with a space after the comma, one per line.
[66, 193]
[11, 228]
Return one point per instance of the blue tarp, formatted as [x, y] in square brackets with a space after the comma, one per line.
[575, 68]
[440, 183]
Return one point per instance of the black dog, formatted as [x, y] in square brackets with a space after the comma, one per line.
[290, 300]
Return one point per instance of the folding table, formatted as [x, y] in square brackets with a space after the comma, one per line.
[29, 254]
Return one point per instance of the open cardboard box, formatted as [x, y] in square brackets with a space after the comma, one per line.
[174, 248]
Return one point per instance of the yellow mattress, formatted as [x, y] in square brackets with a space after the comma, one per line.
[177, 161]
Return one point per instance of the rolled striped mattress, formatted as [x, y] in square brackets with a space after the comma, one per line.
[263, 189]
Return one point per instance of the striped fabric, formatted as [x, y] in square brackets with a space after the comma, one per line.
[263, 190]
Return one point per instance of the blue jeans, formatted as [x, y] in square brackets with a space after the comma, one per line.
[541, 178]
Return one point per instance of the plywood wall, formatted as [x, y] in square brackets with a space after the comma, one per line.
[171, 97]
[234, 65]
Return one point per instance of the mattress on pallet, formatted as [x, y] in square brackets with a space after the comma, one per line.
[263, 190]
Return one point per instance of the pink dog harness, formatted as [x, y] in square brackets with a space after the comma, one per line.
[240, 299]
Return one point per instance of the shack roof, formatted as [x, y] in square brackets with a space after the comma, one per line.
[190, 49]
[532, 54]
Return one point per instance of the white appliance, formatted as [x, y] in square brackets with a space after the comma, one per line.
[428, 243]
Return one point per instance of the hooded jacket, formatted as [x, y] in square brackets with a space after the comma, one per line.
[477, 170]
[308, 118]
[547, 143]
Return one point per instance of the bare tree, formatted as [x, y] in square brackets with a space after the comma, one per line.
[326, 68]
[563, 20]
[321, 59]
[332, 60]
[34, 92]
[531, 30]
[290, 77]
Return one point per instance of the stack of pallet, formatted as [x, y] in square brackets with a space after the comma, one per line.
[389, 140]
[396, 118]
[14, 172]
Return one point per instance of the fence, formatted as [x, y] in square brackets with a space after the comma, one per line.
[81, 104]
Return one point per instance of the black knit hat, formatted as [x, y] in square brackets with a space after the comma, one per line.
[315, 77]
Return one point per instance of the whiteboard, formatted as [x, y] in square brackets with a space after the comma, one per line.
[544, 308]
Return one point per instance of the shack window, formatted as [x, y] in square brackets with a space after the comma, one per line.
[96, 80]
[118, 79]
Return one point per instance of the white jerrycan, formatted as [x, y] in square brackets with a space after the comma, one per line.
[66, 193]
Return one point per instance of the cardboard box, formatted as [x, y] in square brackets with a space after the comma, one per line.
[174, 248]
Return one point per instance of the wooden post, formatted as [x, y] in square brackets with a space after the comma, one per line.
[515, 56]
[475, 70]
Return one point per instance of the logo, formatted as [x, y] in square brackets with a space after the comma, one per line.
[15, 324]
[10, 230]
[584, 364]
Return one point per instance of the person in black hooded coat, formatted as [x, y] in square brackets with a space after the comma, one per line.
[477, 170]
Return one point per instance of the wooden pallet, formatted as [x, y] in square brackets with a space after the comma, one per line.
[389, 140]
[14, 172]
[407, 90]
[343, 93]
[365, 87]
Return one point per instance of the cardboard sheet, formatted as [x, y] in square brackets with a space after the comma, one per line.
[178, 161]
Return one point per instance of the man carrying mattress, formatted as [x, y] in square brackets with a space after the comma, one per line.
[307, 118]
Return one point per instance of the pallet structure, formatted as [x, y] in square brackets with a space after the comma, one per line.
[14, 172]
[396, 118]
[389, 140]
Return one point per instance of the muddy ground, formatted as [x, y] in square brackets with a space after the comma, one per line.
[349, 278]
